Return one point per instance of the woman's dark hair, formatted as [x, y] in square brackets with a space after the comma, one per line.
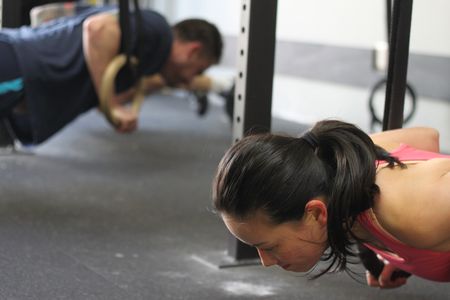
[280, 174]
[204, 32]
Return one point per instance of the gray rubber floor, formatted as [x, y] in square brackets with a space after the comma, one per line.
[98, 215]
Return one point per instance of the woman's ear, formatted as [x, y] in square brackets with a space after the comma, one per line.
[316, 211]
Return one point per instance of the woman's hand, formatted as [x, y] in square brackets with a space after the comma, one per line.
[384, 280]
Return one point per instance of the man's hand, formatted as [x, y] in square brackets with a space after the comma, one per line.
[200, 83]
[126, 117]
[153, 83]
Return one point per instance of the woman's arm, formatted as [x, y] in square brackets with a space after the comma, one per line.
[423, 138]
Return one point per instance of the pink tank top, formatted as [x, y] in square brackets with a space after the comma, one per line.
[432, 265]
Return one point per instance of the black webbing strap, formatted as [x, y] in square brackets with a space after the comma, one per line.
[126, 34]
[124, 21]
[388, 18]
[398, 64]
[399, 27]
[138, 29]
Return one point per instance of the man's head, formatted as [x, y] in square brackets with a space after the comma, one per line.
[197, 45]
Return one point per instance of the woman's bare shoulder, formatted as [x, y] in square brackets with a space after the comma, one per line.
[417, 205]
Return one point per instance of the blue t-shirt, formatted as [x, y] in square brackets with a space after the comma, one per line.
[57, 84]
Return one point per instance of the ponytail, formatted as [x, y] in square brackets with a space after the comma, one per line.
[350, 158]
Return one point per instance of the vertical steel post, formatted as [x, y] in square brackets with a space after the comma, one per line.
[12, 13]
[398, 64]
[1, 13]
[254, 82]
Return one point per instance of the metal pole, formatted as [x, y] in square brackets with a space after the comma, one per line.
[12, 13]
[256, 57]
[398, 64]
[253, 94]
[1, 13]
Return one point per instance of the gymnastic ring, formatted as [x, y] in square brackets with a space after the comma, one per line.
[107, 89]
[380, 85]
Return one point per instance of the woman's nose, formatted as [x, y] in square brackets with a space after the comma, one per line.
[267, 259]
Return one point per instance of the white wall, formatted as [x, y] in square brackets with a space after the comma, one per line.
[355, 23]
[351, 23]
[360, 23]
[225, 14]
[348, 103]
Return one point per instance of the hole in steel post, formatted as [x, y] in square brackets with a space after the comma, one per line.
[244, 7]
[240, 74]
[242, 52]
[243, 29]
[238, 119]
[239, 97]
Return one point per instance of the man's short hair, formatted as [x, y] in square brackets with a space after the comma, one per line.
[204, 32]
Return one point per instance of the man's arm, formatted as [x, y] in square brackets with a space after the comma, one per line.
[101, 40]
[424, 138]
[200, 83]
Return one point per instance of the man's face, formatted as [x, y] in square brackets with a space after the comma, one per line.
[184, 63]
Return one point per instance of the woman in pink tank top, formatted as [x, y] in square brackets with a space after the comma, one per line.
[302, 200]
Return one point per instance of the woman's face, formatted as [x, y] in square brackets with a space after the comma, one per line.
[295, 246]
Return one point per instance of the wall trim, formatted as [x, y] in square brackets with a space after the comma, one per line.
[428, 75]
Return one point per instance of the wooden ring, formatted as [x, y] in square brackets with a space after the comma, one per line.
[107, 89]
